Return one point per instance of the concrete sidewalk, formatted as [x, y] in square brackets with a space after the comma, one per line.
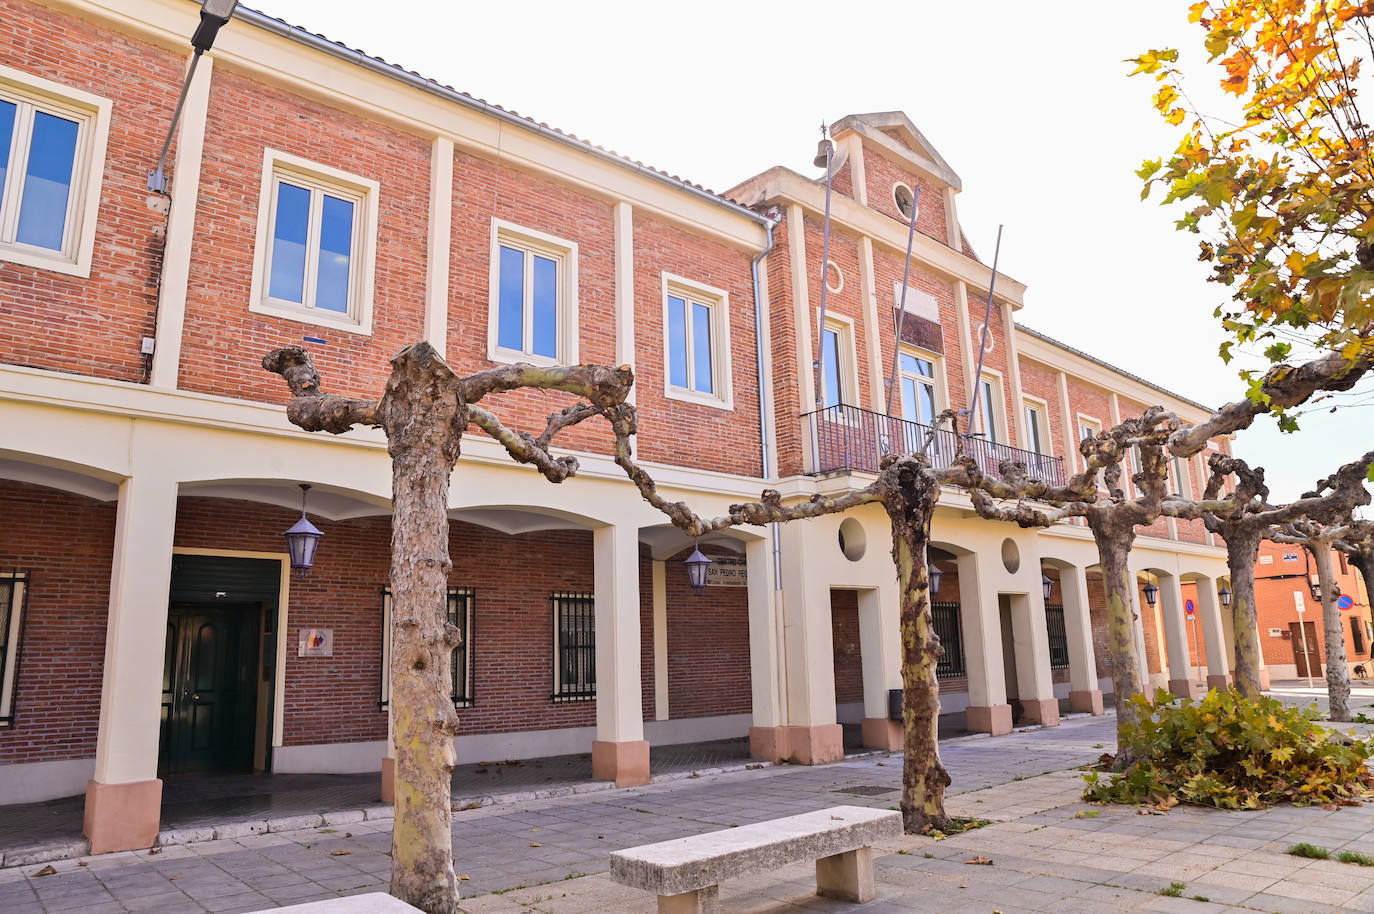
[1050, 852]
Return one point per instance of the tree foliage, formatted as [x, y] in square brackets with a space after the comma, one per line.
[1233, 753]
[1279, 188]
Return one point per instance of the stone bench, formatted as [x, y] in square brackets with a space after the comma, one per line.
[371, 903]
[686, 873]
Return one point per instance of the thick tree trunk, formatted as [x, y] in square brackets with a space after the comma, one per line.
[1337, 668]
[1113, 546]
[1242, 551]
[924, 777]
[1363, 560]
[424, 423]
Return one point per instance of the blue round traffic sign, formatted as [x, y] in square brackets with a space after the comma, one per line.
[1344, 601]
[1188, 606]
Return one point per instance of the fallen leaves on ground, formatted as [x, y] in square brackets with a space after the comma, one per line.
[339, 853]
[979, 860]
[48, 870]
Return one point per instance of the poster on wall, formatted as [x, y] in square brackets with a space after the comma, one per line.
[316, 642]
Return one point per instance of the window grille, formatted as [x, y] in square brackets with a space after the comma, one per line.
[1059, 638]
[12, 589]
[461, 605]
[574, 646]
[945, 617]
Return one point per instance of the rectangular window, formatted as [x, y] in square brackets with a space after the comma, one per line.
[917, 377]
[1035, 438]
[12, 588]
[1088, 428]
[945, 618]
[316, 235]
[697, 341]
[1357, 632]
[532, 310]
[461, 605]
[988, 409]
[837, 365]
[1058, 635]
[1178, 468]
[52, 149]
[574, 646]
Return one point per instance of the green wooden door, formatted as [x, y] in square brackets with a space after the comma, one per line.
[209, 688]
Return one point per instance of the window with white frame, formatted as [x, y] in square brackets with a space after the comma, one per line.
[52, 153]
[317, 229]
[574, 646]
[1036, 435]
[12, 588]
[919, 388]
[697, 342]
[837, 364]
[460, 606]
[990, 408]
[1180, 484]
[1089, 428]
[533, 297]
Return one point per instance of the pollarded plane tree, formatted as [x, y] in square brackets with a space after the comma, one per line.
[1111, 516]
[1329, 520]
[424, 411]
[1244, 518]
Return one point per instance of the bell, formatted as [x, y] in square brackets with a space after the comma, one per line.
[825, 151]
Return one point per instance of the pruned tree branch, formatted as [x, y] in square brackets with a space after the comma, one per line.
[311, 408]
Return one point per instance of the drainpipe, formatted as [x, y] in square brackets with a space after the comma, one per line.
[763, 411]
[780, 630]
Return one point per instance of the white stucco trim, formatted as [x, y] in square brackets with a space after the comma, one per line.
[34, 782]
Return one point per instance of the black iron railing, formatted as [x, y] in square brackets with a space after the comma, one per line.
[849, 438]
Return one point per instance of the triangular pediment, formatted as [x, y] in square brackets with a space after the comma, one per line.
[896, 135]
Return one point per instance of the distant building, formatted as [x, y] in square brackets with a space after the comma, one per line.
[320, 196]
[1285, 577]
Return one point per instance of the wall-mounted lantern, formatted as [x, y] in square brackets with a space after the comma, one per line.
[1047, 584]
[935, 576]
[1225, 595]
[1151, 592]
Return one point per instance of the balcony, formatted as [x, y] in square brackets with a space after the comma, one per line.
[846, 438]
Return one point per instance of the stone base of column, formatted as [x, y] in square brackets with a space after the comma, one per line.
[122, 817]
[1218, 681]
[1264, 679]
[625, 763]
[995, 719]
[881, 733]
[389, 780]
[1183, 688]
[1042, 711]
[799, 745]
[768, 744]
[1086, 701]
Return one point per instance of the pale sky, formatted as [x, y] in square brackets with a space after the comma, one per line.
[1029, 103]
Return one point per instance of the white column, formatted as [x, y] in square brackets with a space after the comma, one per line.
[952, 220]
[181, 223]
[1069, 423]
[1016, 413]
[620, 752]
[623, 216]
[763, 636]
[880, 647]
[982, 629]
[660, 596]
[1031, 649]
[855, 146]
[1213, 631]
[874, 328]
[812, 735]
[1138, 630]
[966, 353]
[123, 801]
[1175, 634]
[439, 243]
[1084, 691]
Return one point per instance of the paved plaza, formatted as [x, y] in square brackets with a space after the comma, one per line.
[1050, 852]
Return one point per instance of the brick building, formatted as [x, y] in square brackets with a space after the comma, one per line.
[147, 469]
[1285, 596]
